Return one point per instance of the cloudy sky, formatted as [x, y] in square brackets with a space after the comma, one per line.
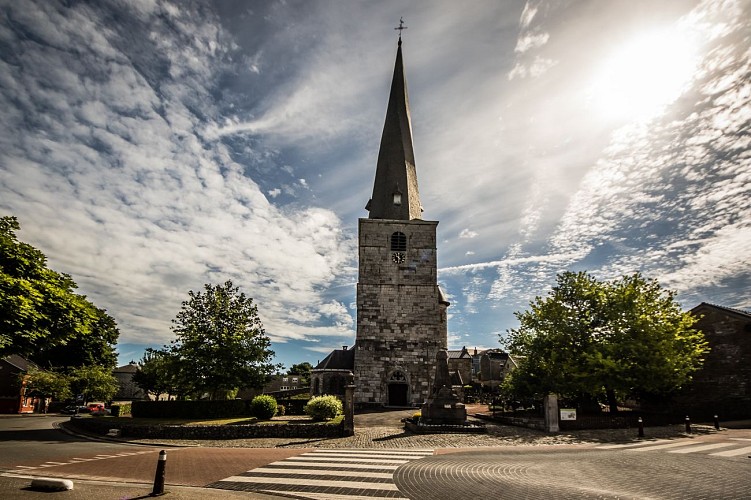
[149, 147]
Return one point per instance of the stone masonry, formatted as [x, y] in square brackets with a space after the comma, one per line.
[401, 316]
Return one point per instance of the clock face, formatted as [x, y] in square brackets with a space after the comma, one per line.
[398, 257]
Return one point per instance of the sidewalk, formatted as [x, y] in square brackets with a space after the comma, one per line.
[16, 487]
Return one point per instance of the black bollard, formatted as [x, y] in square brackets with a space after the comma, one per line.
[641, 428]
[716, 423]
[688, 425]
[159, 476]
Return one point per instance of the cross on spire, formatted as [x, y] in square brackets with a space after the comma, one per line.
[400, 28]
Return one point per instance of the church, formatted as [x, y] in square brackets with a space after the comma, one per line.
[401, 311]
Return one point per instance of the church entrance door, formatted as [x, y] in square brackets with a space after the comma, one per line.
[398, 394]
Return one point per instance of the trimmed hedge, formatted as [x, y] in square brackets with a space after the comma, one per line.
[121, 409]
[191, 409]
[263, 407]
[324, 407]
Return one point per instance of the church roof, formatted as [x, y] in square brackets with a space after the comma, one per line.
[340, 359]
[395, 170]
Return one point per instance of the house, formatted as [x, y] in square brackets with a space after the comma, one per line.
[723, 385]
[127, 389]
[13, 381]
[460, 361]
[494, 364]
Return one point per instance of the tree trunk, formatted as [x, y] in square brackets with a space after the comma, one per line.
[610, 393]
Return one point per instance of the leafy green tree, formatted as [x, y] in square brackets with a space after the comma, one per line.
[93, 382]
[221, 342]
[41, 316]
[48, 384]
[158, 373]
[302, 370]
[95, 348]
[624, 338]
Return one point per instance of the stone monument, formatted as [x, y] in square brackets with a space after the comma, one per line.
[443, 407]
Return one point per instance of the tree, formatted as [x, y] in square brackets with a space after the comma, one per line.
[157, 373]
[624, 338]
[95, 348]
[303, 371]
[93, 382]
[48, 384]
[40, 313]
[221, 342]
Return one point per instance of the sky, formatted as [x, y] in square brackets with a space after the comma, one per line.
[149, 147]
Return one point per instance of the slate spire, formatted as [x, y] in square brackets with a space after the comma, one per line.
[395, 194]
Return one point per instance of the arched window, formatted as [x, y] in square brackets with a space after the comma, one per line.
[398, 242]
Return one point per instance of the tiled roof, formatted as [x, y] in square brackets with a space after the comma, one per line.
[726, 309]
[341, 359]
[19, 362]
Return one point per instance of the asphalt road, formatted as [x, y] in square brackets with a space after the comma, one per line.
[31, 441]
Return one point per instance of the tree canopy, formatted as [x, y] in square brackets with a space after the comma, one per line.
[623, 338]
[302, 370]
[41, 316]
[221, 343]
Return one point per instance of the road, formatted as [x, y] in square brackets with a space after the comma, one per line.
[706, 466]
[32, 441]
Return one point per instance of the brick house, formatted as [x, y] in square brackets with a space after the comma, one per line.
[723, 385]
[13, 380]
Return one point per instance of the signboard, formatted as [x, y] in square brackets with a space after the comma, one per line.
[568, 413]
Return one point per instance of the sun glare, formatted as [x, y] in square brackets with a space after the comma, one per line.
[644, 75]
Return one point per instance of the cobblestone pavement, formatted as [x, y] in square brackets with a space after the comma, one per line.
[569, 474]
[328, 474]
[384, 430]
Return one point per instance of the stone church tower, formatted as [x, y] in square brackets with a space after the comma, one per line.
[401, 312]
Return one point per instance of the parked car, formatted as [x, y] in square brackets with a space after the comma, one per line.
[73, 409]
[98, 409]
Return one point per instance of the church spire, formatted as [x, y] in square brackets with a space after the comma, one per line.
[395, 194]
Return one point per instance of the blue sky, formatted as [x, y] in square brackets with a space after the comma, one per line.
[149, 147]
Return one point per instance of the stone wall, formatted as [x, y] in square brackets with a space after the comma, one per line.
[101, 426]
[401, 323]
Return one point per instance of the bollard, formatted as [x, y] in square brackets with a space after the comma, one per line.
[688, 425]
[716, 423]
[159, 476]
[641, 428]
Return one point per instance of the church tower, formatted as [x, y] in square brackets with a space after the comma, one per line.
[401, 312]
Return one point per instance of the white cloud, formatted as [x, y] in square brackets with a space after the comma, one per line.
[468, 234]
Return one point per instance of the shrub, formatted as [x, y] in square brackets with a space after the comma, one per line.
[120, 410]
[324, 407]
[280, 410]
[263, 407]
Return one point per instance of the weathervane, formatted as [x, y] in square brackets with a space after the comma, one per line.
[400, 28]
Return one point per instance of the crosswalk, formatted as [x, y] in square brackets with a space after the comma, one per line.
[732, 447]
[328, 474]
